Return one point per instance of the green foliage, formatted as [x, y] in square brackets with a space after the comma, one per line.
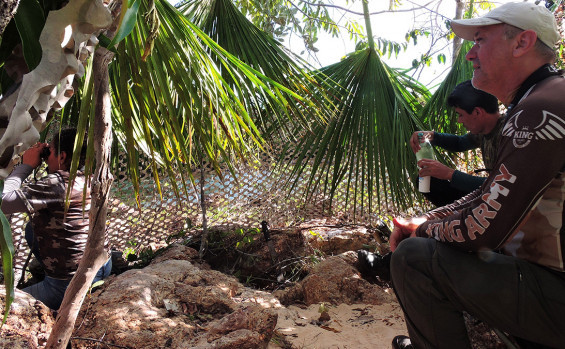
[441, 58]
[30, 20]
[414, 34]
[7, 248]
[279, 18]
[129, 254]
[246, 237]
[95, 285]
[221, 113]
[241, 38]
[142, 258]
[128, 18]
[364, 148]
[387, 48]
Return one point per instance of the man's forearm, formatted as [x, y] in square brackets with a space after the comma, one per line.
[11, 201]
[466, 182]
[455, 143]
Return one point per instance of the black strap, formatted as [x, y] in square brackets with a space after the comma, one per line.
[542, 73]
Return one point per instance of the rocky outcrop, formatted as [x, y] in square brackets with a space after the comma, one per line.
[177, 303]
[29, 322]
[335, 281]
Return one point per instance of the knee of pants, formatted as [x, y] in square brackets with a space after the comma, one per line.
[411, 253]
[104, 271]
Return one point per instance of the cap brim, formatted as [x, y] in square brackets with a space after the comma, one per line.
[466, 28]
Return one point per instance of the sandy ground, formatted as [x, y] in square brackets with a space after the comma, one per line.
[350, 326]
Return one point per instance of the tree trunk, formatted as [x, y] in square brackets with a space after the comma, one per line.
[94, 255]
[8, 10]
[460, 6]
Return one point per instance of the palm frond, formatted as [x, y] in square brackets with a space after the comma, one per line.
[364, 148]
[190, 92]
[226, 25]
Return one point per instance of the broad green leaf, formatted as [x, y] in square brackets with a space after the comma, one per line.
[105, 42]
[30, 21]
[127, 23]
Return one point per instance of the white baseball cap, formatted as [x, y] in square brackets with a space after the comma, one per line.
[524, 15]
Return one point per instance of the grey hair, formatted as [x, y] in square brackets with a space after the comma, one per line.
[542, 49]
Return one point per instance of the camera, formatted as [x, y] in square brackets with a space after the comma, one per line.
[45, 152]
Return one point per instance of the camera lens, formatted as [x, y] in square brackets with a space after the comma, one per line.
[45, 152]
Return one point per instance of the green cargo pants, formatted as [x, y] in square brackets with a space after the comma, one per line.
[434, 283]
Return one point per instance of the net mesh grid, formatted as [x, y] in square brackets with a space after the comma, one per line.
[256, 194]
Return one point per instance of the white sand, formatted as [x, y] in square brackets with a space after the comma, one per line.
[350, 326]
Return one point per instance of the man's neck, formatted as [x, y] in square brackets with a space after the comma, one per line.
[536, 76]
[491, 124]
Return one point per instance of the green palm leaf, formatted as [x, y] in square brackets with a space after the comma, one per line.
[365, 148]
[225, 24]
[7, 248]
[191, 92]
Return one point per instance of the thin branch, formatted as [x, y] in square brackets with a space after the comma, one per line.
[418, 7]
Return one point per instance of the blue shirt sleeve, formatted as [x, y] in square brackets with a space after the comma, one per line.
[455, 143]
[466, 182]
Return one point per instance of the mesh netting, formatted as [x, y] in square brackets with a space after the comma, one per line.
[256, 195]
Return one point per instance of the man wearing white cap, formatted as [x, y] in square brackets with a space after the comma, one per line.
[444, 262]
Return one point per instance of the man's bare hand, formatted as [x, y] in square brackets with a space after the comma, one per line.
[415, 139]
[403, 229]
[435, 169]
[32, 156]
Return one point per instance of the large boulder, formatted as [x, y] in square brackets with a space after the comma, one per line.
[177, 303]
[335, 280]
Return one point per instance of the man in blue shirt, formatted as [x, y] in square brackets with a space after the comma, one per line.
[478, 112]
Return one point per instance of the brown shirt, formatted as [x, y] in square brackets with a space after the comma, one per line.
[61, 237]
[520, 207]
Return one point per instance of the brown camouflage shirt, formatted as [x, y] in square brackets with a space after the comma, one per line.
[61, 237]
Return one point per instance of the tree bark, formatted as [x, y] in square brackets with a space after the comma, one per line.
[459, 8]
[8, 10]
[95, 255]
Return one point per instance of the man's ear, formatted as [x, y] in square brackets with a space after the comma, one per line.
[63, 158]
[479, 111]
[525, 41]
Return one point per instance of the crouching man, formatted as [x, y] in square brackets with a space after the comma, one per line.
[56, 237]
[444, 262]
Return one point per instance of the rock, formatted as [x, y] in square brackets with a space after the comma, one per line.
[250, 327]
[335, 281]
[174, 303]
[333, 240]
[29, 322]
